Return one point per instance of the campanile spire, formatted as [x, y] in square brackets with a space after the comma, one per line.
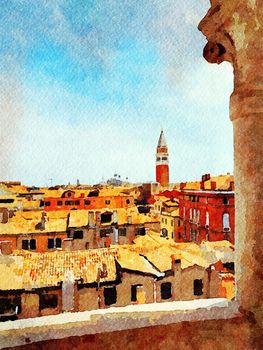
[162, 161]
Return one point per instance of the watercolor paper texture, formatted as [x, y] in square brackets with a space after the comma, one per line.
[131, 174]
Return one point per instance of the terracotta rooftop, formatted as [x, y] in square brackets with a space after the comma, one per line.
[37, 270]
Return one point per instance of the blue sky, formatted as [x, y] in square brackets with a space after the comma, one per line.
[86, 87]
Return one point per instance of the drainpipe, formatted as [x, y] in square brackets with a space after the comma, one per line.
[154, 291]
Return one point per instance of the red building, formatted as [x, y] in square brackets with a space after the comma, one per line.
[206, 215]
[69, 201]
[162, 162]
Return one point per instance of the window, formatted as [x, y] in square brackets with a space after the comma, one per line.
[60, 203]
[166, 290]
[105, 233]
[164, 232]
[230, 266]
[191, 233]
[50, 243]
[77, 202]
[172, 223]
[110, 295]
[207, 219]
[179, 223]
[141, 231]
[69, 202]
[226, 225]
[29, 244]
[122, 231]
[225, 201]
[7, 200]
[47, 204]
[184, 232]
[191, 214]
[158, 158]
[25, 245]
[134, 289]
[58, 242]
[10, 305]
[54, 243]
[87, 202]
[107, 201]
[198, 217]
[48, 301]
[164, 158]
[198, 287]
[127, 201]
[106, 218]
[184, 212]
[32, 244]
[78, 234]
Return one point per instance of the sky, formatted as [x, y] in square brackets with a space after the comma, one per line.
[87, 85]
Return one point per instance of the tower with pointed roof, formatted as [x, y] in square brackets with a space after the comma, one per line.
[162, 162]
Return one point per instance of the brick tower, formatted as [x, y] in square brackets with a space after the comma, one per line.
[162, 162]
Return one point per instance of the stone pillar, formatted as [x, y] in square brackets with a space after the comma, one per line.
[234, 30]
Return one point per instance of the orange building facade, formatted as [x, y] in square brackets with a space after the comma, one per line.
[69, 201]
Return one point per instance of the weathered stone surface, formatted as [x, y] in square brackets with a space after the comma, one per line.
[234, 30]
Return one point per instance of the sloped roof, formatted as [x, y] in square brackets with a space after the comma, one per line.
[131, 260]
[27, 222]
[37, 270]
[159, 250]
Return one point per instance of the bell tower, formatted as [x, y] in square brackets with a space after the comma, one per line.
[162, 162]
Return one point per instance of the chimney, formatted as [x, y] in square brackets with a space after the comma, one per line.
[98, 218]
[213, 185]
[182, 185]
[115, 216]
[206, 177]
[68, 292]
[4, 215]
[175, 264]
[129, 219]
[232, 186]
[115, 235]
[91, 219]
[43, 221]
[6, 247]
[202, 184]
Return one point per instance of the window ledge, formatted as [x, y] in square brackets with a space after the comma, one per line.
[21, 332]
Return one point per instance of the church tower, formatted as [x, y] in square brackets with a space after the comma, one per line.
[162, 162]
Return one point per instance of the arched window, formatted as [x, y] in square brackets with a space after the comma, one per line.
[191, 214]
[207, 219]
[164, 232]
[198, 217]
[226, 224]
